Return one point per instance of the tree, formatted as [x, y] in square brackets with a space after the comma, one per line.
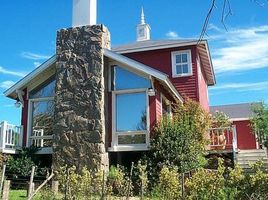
[259, 122]
[179, 141]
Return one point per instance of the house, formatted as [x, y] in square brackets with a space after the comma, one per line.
[249, 147]
[90, 102]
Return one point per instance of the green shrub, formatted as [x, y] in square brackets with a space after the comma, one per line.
[117, 181]
[20, 166]
[179, 141]
[207, 184]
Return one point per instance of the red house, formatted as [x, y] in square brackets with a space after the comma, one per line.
[143, 79]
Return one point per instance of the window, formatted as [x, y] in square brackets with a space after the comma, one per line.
[166, 106]
[41, 113]
[130, 108]
[181, 63]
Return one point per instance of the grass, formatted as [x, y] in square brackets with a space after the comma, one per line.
[17, 195]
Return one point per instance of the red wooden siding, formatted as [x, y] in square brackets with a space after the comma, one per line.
[245, 138]
[202, 89]
[24, 117]
[161, 60]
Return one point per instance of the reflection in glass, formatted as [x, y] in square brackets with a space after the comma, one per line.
[131, 112]
[123, 79]
[132, 139]
[46, 90]
[42, 121]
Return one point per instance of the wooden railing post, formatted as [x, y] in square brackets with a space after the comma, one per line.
[4, 133]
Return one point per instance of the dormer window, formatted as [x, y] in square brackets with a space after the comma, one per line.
[181, 63]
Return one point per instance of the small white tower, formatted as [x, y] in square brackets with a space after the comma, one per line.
[143, 29]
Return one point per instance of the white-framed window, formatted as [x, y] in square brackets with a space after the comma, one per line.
[166, 108]
[130, 110]
[41, 114]
[181, 63]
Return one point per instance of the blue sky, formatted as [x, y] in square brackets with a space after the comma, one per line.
[240, 56]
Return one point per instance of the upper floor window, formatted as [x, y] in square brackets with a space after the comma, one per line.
[181, 63]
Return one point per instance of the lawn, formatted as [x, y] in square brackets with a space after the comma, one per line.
[17, 195]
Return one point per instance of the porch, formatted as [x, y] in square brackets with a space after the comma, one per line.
[222, 140]
[10, 137]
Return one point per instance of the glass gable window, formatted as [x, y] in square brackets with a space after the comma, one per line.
[181, 63]
[130, 103]
[41, 113]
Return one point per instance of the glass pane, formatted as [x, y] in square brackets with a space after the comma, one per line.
[42, 118]
[46, 90]
[124, 79]
[185, 69]
[178, 69]
[131, 112]
[132, 139]
[184, 57]
[178, 58]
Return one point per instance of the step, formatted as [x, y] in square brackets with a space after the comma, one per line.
[251, 150]
[251, 162]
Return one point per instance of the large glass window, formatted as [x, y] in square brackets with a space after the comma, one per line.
[130, 105]
[181, 63]
[42, 114]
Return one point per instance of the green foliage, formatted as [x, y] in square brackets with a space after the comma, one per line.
[220, 119]
[117, 181]
[207, 184]
[168, 186]
[77, 186]
[20, 166]
[179, 141]
[259, 122]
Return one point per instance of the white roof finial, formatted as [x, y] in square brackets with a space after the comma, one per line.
[142, 16]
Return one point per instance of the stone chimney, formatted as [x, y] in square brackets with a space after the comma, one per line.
[79, 129]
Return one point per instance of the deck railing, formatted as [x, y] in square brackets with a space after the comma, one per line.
[10, 137]
[223, 138]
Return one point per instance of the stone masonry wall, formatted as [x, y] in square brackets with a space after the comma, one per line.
[79, 129]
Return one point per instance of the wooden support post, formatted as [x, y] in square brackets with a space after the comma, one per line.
[6, 190]
[55, 187]
[2, 178]
[30, 190]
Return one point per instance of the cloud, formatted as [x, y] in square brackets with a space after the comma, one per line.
[6, 84]
[34, 56]
[9, 72]
[242, 86]
[36, 64]
[239, 49]
[172, 35]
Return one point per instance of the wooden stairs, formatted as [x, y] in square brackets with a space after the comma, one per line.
[246, 157]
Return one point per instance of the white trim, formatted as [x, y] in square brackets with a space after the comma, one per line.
[174, 64]
[114, 143]
[144, 69]
[128, 148]
[239, 119]
[157, 47]
[20, 84]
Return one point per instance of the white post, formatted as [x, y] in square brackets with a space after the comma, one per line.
[84, 12]
[3, 134]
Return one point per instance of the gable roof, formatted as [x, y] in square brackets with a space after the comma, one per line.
[149, 45]
[108, 53]
[235, 111]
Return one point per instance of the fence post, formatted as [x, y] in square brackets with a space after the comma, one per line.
[2, 178]
[129, 181]
[6, 190]
[30, 190]
[182, 185]
[55, 187]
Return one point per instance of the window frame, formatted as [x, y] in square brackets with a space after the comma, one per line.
[174, 64]
[114, 143]
[31, 101]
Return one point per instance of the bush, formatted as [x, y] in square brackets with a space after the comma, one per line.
[117, 181]
[20, 166]
[207, 184]
[168, 186]
[179, 141]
